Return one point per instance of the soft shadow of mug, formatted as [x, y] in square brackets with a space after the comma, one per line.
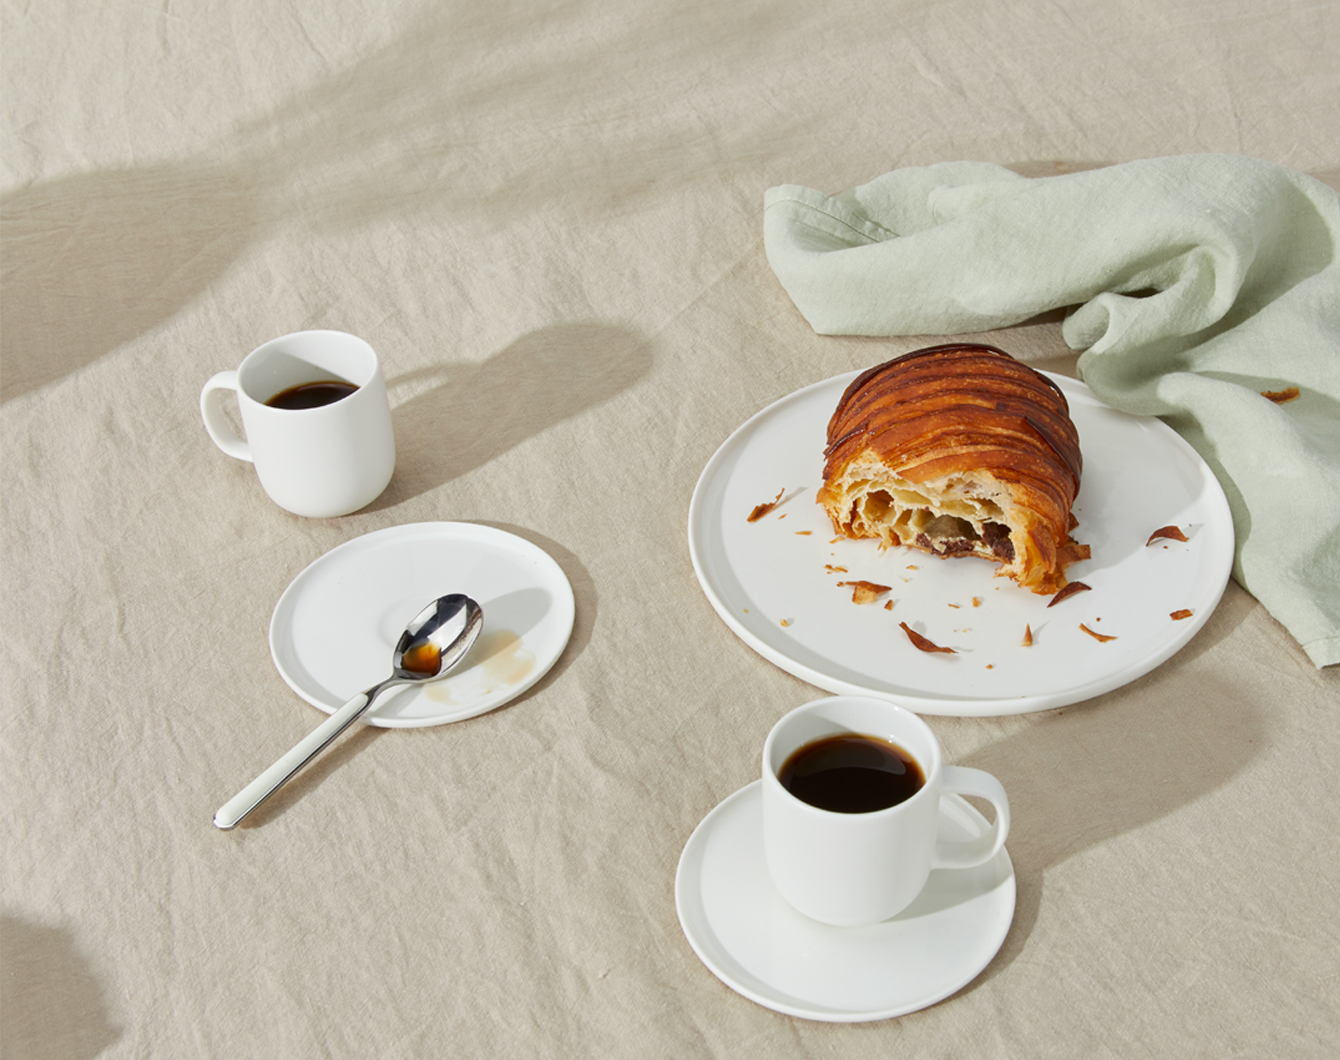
[848, 869]
[325, 461]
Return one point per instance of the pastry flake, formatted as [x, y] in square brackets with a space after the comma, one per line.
[763, 509]
[863, 592]
[924, 643]
[1069, 591]
[1172, 533]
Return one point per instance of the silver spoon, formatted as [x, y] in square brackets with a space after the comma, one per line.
[430, 646]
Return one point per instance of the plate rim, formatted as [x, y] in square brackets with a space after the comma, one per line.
[1220, 570]
[477, 531]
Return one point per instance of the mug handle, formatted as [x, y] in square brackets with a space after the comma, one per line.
[962, 780]
[211, 409]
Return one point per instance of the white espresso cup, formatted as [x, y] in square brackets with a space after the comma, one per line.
[846, 868]
[323, 461]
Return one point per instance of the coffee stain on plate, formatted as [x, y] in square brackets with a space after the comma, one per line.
[497, 661]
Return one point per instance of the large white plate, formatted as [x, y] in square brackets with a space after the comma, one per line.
[335, 626]
[769, 580]
[755, 943]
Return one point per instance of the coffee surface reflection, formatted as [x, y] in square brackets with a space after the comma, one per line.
[312, 395]
[851, 773]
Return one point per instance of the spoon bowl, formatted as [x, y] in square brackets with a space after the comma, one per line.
[435, 641]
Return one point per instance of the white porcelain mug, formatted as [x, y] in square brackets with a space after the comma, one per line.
[324, 461]
[861, 868]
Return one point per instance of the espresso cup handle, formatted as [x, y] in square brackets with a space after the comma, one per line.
[211, 409]
[961, 780]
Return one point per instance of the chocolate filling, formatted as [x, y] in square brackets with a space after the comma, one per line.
[954, 547]
[997, 537]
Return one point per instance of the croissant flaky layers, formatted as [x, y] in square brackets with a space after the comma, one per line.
[958, 450]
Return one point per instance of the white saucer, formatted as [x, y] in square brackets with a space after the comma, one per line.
[335, 626]
[755, 943]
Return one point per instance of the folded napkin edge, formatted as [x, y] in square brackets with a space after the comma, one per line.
[810, 199]
[1324, 651]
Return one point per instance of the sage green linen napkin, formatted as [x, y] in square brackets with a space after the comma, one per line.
[1201, 282]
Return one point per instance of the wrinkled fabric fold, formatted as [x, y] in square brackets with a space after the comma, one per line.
[1196, 284]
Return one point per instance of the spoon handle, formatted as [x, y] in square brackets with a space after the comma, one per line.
[260, 789]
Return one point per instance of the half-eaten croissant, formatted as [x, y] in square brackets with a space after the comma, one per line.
[958, 450]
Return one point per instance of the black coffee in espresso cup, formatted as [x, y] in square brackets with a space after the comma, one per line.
[851, 772]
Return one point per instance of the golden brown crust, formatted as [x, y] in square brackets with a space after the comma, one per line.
[958, 449]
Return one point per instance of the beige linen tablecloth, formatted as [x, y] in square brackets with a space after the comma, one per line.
[547, 220]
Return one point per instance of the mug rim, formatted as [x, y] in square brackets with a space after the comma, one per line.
[932, 769]
[370, 365]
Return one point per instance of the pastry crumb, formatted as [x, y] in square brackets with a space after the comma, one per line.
[1068, 591]
[1173, 533]
[863, 592]
[1100, 637]
[1180, 614]
[924, 643]
[763, 509]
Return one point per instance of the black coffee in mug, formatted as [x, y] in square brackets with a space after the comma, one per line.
[851, 773]
[312, 395]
